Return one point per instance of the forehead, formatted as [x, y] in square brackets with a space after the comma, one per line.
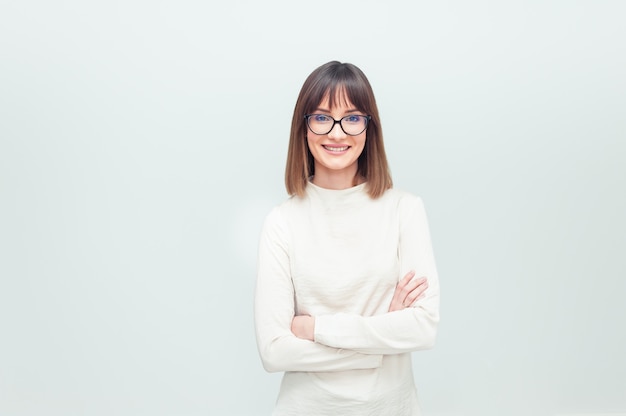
[336, 97]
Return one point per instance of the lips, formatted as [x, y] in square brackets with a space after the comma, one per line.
[335, 148]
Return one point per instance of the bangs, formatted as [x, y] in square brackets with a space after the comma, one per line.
[343, 87]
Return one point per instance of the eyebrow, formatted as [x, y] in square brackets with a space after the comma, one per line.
[325, 110]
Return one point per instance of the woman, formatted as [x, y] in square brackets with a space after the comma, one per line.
[347, 285]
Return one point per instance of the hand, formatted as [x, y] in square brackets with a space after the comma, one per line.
[303, 326]
[408, 291]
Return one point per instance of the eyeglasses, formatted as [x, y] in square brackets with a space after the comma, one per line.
[352, 125]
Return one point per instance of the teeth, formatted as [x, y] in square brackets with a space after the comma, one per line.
[336, 149]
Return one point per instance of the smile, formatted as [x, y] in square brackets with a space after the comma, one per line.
[336, 149]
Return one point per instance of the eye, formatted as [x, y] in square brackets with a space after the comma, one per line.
[353, 119]
[321, 118]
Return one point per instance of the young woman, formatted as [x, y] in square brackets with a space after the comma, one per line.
[347, 285]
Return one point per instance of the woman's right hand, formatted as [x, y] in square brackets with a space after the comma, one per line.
[408, 291]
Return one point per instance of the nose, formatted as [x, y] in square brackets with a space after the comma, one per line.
[336, 132]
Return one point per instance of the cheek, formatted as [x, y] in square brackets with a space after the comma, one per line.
[361, 143]
[310, 144]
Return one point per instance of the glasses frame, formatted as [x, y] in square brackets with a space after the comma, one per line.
[308, 116]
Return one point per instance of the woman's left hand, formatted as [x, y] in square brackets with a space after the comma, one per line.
[303, 326]
[408, 291]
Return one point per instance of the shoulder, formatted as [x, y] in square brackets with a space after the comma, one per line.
[408, 207]
[277, 217]
[402, 199]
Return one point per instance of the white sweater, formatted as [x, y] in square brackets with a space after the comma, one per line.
[337, 255]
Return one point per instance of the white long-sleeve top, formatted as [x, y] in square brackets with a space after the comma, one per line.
[337, 255]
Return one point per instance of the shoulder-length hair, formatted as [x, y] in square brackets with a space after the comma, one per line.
[337, 81]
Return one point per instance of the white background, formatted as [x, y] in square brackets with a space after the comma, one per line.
[143, 142]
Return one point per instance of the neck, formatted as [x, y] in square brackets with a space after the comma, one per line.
[337, 180]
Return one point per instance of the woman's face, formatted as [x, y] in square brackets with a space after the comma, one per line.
[336, 153]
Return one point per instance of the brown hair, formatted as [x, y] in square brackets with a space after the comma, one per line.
[333, 80]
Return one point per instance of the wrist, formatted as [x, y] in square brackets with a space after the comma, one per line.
[303, 326]
[312, 328]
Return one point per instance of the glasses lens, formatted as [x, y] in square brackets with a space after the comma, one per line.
[354, 124]
[320, 124]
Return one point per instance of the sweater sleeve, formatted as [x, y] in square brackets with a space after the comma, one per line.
[401, 331]
[279, 348]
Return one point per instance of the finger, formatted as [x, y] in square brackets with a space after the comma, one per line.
[407, 278]
[405, 291]
[418, 293]
[397, 294]
[412, 291]
[411, 286]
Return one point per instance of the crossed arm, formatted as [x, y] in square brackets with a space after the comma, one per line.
[408, 290]
[345, 341]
